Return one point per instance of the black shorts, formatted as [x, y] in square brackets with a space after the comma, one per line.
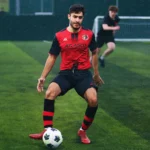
[101, 40]
[80, 80]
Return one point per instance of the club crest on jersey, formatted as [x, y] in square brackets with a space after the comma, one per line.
[65, 39]
[85, 37]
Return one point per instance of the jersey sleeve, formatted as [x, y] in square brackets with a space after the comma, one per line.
[55, 48]
[93, 45]
[106, 20]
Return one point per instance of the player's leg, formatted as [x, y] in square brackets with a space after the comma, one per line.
[91, 97]
[59, 86]
[110, 48]
[52, 92]
[87, 89]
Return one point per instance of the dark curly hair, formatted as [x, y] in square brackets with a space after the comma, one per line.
[76, 8]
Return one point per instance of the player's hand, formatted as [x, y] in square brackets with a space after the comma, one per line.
[98, 80]
[117, 28]
[40, 84]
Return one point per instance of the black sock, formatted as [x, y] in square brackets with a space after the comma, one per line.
[48, 113]
[89, 117]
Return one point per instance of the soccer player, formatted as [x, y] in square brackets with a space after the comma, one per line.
[73, 43]
[106, 33]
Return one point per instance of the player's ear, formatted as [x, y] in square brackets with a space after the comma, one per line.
[69, 16]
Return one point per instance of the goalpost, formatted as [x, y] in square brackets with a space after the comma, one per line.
[132, 29]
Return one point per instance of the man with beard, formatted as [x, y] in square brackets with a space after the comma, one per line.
[73, 43]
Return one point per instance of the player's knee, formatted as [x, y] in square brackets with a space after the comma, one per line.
[50, 94]
[111, 46]
[92, 101]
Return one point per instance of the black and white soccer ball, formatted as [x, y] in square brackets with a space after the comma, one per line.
[52, 138]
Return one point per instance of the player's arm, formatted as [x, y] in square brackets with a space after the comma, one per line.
[117, 20]
[95, 62]
[106, 27]
[48, 65]
[98, 80]
[93, 48]
[53, 53]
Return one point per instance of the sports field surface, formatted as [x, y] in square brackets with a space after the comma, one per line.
[123, 118]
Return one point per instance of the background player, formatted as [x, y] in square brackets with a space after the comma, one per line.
[73, 43]
[106, 33]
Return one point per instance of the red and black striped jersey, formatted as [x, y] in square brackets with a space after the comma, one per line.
[74, 48]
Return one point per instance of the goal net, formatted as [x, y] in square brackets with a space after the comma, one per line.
[131, 28]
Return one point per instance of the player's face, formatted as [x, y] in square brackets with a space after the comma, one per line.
[112, 14]
[75, 20]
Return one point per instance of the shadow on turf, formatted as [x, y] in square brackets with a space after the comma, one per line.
[122, 98]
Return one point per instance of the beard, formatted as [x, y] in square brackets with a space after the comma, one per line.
[75, 28]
